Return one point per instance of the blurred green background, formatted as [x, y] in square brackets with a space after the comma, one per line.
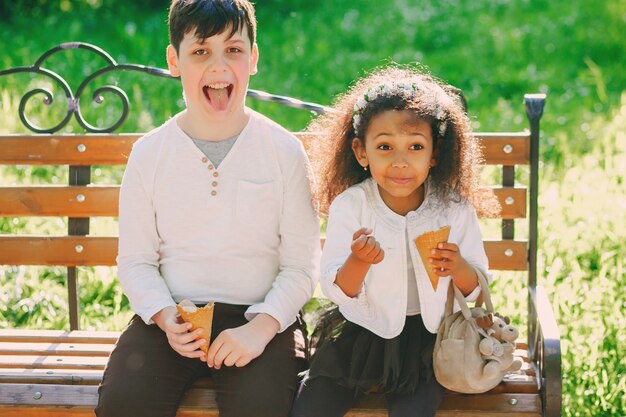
[494, 50]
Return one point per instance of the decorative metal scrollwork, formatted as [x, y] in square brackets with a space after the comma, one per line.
[73, 99]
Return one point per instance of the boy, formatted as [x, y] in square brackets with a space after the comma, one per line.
[215, 205]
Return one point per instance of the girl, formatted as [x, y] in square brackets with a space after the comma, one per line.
[396, 160]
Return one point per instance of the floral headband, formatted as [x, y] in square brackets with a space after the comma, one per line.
[389, 89]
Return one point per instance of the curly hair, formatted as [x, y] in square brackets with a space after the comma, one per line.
[453, 178]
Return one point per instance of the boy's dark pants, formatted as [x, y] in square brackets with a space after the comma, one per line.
[146, 377]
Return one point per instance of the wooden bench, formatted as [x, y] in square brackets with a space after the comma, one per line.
[57, 372]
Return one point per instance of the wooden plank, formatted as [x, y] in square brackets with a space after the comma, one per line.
[52, 362]
[511, 405]
[51, 376]
[507, 255]
[94, 201]
[66, 411]
[513, 202]
[49, 394]
[58, 336]
[61, 250]
[97, 149]
[34, 411]
[67, 201]
[58, 250]
[59, 349]
[113, 149]
[202, 400]
[505, 148]
[512, 383]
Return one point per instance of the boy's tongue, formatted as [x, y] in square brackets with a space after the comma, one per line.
[218, 97]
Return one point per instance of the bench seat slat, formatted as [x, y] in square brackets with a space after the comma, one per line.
[51, 394]
[485, 405]
[203, 401]
[52, 362]
[89, 362]
[512, 383]
[51, 376]
[59, 349]
[58, 336]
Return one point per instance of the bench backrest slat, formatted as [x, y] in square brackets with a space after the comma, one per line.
[101, 201]
[101, 251]
[58, 250]
[64, 201]
[113, 149]
[81, 150]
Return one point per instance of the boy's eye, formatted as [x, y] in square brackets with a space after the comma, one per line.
[384, 147]
[234, 50]
[200, 52]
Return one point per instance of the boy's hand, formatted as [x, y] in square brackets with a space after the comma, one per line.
[184, 342]
[238, 346]
[365, 248]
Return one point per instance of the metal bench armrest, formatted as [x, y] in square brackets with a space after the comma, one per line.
[544, 346]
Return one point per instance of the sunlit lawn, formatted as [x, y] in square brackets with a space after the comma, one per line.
[494, 51]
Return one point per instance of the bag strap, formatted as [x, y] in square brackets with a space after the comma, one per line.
[455, 293]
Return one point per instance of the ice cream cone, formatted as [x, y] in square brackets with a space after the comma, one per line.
[425, 243]
[199, 317]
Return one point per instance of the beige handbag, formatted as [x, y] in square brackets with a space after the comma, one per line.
[458, 362]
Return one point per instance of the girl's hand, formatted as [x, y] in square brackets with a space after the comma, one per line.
[446, 259]
[184, 342]
[365, 248]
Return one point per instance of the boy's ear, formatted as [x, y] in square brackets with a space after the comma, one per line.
[172, 61]
[359, 152]
[254, 59]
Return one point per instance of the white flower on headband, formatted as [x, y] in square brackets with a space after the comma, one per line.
[388, 89]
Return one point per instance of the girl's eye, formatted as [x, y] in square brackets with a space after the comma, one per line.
[416, 147]
[384, 147]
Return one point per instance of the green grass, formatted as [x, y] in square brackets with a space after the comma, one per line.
[310, 49]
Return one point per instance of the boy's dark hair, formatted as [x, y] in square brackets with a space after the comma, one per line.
[210, 17]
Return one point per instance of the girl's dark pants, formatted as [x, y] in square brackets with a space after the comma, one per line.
[322, 397]
[146, 377]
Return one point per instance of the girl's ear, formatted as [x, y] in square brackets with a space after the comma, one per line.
[359, 152]
[433, 158]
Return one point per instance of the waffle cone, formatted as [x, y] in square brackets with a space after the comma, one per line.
[425, 243]
[201, 318]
